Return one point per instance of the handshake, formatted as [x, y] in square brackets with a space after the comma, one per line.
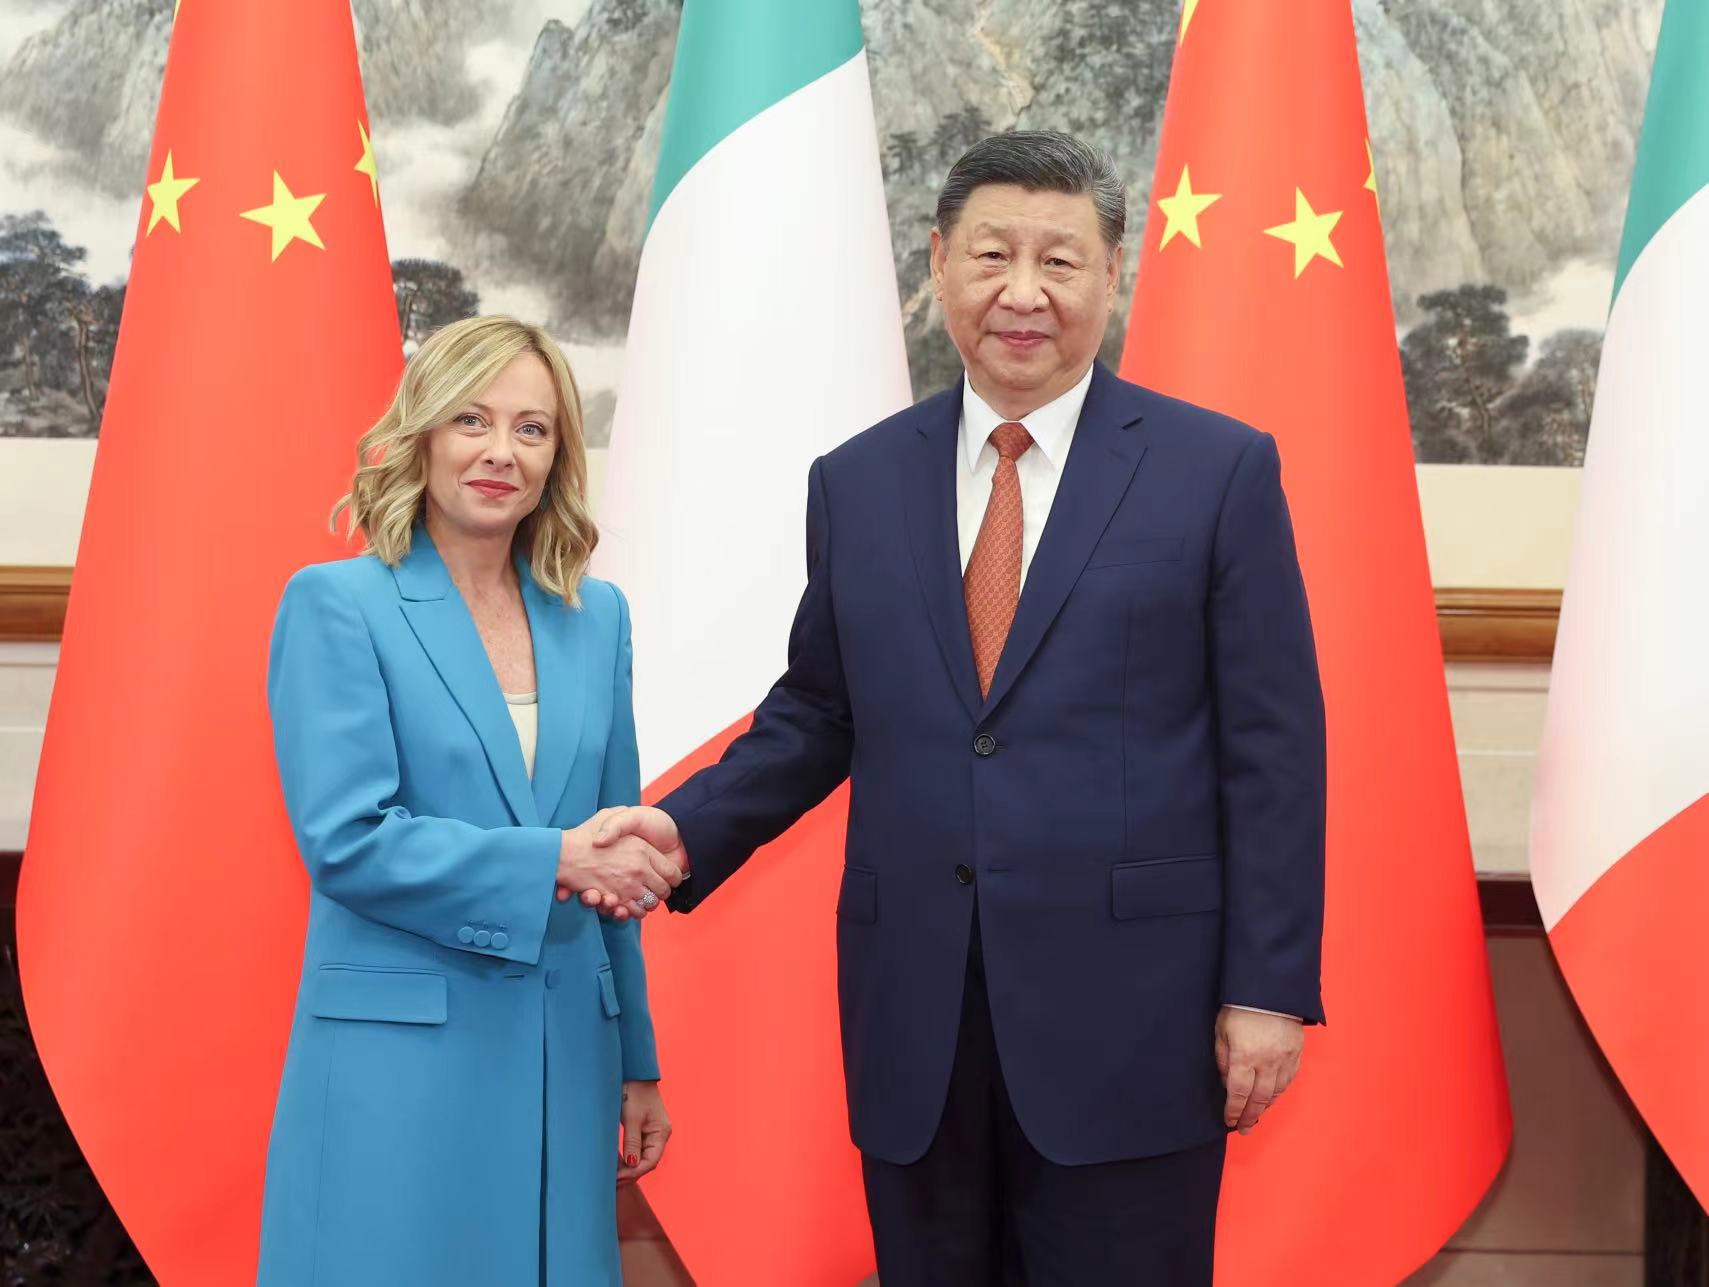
[625, 862]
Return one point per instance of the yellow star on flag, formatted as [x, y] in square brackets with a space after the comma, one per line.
[1309, 233]
[1186, 17]
[1183, 210]
[163, 195]
[288, 217]
[367, 165]
[1371, 181]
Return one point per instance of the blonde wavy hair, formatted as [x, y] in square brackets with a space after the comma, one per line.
[388, 495]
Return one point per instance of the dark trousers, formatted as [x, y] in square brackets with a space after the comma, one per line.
[982, 1208]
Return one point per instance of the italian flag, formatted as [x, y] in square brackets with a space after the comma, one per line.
[1620, 820]
[765, 331]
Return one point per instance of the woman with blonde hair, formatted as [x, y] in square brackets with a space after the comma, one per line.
[452, 715]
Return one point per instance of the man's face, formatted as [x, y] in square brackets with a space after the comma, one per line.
[1027, 287]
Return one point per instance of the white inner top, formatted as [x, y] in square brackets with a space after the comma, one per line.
[524, 711]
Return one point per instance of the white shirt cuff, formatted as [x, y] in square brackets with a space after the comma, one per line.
[1255, 1010]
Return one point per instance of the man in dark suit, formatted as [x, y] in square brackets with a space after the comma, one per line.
[1055, 633]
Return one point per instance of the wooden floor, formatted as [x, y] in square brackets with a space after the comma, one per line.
[649, 1260]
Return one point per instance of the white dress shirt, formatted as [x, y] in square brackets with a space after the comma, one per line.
[1039, 468]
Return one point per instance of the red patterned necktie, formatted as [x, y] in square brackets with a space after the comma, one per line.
[992, 582]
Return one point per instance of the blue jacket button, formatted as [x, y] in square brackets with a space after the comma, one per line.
[466, 934]
[501, 940]
[482, 938]
[554, 979]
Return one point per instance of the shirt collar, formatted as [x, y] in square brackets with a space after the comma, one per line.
[1051, 426]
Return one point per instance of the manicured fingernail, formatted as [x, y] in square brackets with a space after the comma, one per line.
[633, 1160]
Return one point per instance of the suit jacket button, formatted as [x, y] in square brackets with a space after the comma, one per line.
[466, 934]
[554, 978]
[984, 745]
[482, 938]
[501, 940]
[964, 873]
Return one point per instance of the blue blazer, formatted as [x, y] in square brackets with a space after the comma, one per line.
[449, 1107]
[1137, 806]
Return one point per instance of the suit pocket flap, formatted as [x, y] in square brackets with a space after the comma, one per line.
[858, 900]
[1166, 887]
[388, 996]
[1145, 549]
[608, 992]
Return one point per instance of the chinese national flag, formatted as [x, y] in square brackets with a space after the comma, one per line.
[1263, 293]
[161, 906]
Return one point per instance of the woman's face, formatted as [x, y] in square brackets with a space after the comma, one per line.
[487, 465]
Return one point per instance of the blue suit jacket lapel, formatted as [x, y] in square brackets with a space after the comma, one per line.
[561, 660]
[1101, 462]
[441, 622]
[929, 503]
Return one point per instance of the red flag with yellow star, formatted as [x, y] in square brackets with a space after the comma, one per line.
[1263, 292]
[161, 905]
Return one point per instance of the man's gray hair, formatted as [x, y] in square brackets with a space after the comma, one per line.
[1039, 161]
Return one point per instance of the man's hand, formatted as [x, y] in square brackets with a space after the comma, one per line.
[644, 822]
[1258, 1055]
[616, 875]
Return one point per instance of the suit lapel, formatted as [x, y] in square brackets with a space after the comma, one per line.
[560, 661]
[446, 631]
[1101, 462]
[928, 488]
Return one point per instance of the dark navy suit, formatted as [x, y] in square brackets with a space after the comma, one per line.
[1134, 814]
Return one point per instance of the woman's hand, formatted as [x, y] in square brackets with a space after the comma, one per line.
[646, 1130]
[615, 877]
